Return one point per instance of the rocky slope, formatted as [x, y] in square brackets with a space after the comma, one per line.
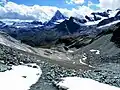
[14, 56]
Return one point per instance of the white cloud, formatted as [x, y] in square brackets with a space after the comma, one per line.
[43, 13]
[109, 4]
[74, 1]
[5, 1]
[106, 4]
[92, 4]
[81, 11]
[103, 4]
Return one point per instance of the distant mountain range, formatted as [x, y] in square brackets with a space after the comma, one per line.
[36, 33]
[58, 17]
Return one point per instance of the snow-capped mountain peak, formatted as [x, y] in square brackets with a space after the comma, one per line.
[58, 15]
[57, 18]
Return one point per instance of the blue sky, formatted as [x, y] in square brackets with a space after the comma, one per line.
[57, 3]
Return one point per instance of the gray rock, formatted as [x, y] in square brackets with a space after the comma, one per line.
[4, 68]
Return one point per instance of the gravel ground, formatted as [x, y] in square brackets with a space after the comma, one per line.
[106, 73]
[52, 74]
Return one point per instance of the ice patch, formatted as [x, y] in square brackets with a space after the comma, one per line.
[77, 83]
[20, 77]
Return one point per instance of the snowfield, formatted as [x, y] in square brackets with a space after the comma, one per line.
[77, 83]
[93, 22]
[20, 77]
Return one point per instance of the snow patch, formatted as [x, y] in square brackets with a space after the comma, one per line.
[20, 77]
[92, 22]
[70, 51]
[96, 51]
[68, 58]
[82, 62]
[59, 21]
[95, 22]
[113, 13]
[77, 83]
[59, 57]
[73, 62]
[112, 23]
[84, 57]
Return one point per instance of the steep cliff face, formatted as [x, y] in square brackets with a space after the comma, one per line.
[116, 37]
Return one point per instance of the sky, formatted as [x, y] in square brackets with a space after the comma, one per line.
[69, 4]
[45, 9]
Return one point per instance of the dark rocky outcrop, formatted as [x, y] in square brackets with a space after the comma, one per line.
[36, 23]
[109, 20]
[116, 37]
[89, 18]
[75, 41]
[118, 14]
[103, 14]
[96, 18]
[48, 35]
